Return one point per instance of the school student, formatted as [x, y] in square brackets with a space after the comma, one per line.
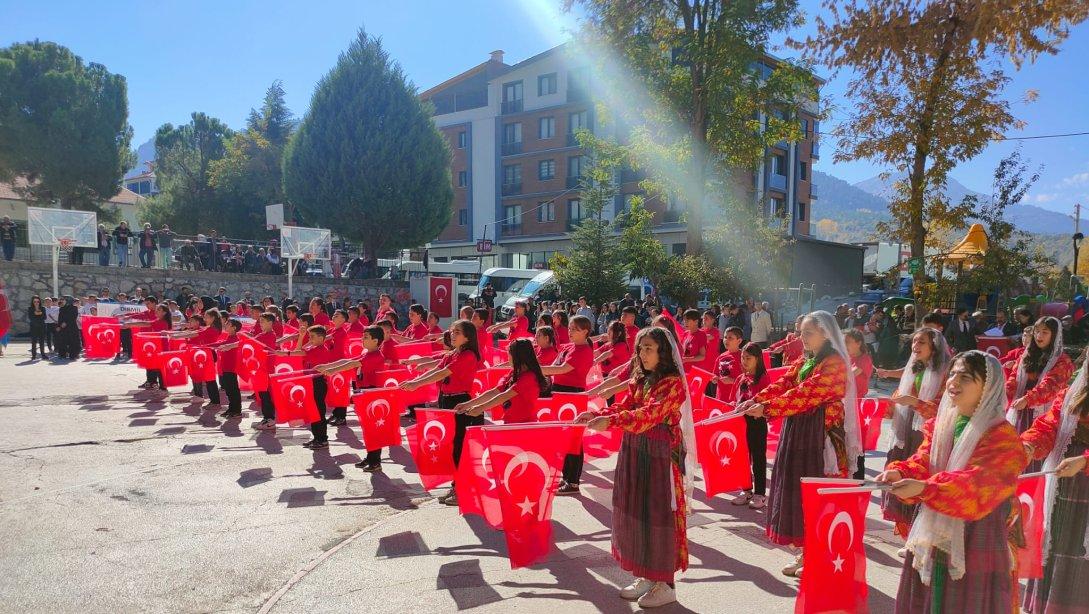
[205, 336]
[568, 374]
[518, 325]
[367, 364]
[728, 365]
[751, 382]
[517, 391]
[315, 353]
[227, 356]
[161, 323]
[337, 340]
[417, 329]
[266, 338]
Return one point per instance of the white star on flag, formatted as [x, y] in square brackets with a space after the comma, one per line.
[838, 562]
[526, 506]
[433, 446]
[380, 422]
[725, 461]
[867, 421]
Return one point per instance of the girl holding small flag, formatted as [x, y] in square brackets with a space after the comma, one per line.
[568, 374]
[162, 323]
[816, 398]
[754, 379]
[963, 476]
[204, 336]
[654, 470]
[1060, 438]
[518, 323]
[517, 392]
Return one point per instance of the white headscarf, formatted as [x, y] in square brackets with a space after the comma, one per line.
[830, 328]
[1067, 425]
[932, 530]
[1022, 375]
[929, 389]
[688, 429]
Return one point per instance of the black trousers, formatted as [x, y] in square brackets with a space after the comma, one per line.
[155, 376]
[126, 341]
[319, 429]
[268, 412]
[572, 463]
[461, 421]
[860, 473]
[37, 340]
[756, 433]
[51, 332]
[229, 383]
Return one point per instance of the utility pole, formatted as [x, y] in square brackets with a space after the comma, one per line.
[1078, 237]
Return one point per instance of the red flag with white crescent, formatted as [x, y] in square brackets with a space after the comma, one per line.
[293, 397]
[601, 444]
[103, 340]
[146, 348]
[712, 408]
[252, 363]
[172, 365]
[354, 347]
[87, 321]
[286, 364]
[442, 296]
[1030, 496]
[339, 389]
[201, 364]
[408, 351]
[379, 415]
[527, 461]
[393, 378]
[723, 453]
[434, 446]
[871, 412]
[476, 488]
[697, 383]
[835, 561]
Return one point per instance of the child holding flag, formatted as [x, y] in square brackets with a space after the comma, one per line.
[368, 363]
[517, 392]
[752, 381]
[568, 374]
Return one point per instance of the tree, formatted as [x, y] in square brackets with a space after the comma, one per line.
[1009, 257]
[688, 276]
[641, 254]
[594, 267]
[367, 161]
[184, 158]
[63, 126]
[927, 90]
[689, 75]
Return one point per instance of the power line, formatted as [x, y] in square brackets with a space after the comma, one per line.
[1010, 138]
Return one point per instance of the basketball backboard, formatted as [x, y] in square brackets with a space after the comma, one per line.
[299, 242]
[53, 226]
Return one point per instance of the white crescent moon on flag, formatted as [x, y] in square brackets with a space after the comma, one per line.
[436, 424]
[282, 368]
[148, 347]
[546, 411]
[291, 392]
[1026, 499]
[520, 460]
[391, 383]
[845, 519]
[445, 293]
[384, 404]
[174, 363]
[728, 437]
[567, 406]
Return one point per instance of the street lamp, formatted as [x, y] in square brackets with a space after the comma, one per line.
[1078, 238]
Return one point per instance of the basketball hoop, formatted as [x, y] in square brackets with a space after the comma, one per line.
[65, 245]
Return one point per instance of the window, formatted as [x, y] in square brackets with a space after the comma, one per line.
[578, 120]
[546, 169]
[463, 139]
[463, 217]
[546, 211]
[574, 166]
[546, 84]
[574, 209]
[546, 127]
[512, 133]
[801, 212]
[512, 215]
[803, 171]
[512, 174]
[578, 81]
[463, 178]
[512, 92]
[626, 202]
[805, 128]
[679, 249]
[779, 164]
[778, 207]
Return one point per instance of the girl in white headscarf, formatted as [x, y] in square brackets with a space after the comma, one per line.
[963, 475]
[1060, 438]
[654, 470]
[1042, 372]
[820, 436]
[922, 382]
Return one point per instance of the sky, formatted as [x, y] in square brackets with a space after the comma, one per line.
[220, 57]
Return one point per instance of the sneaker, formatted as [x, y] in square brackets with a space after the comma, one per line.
[265, 425]
[793, 568]
[902, 553]
[567, 490]
[743, 498]
[449, 493]
[798, 574]
[636, 589]
[337, 422]
[231, 415]
[309, 443]
[451, 499]
[319, 445]
[660, 594]
[147, 385]
[758, 502]
[368, 468]
[213, 406]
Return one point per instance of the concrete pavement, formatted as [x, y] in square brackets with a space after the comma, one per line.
[117, 500]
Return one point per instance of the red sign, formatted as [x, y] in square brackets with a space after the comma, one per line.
[442, 296]
[484, 246]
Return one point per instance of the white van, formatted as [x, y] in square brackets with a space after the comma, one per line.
[506, 282]
[545, 282]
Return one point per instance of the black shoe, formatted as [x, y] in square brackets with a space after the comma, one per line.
[337, 421]
[309, 443]
[369, 468]
[319, 445]
[567, 490]
[230, 415]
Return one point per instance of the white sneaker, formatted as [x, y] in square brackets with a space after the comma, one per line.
[743, 498]
[793, 568]
[902, 553]
[758, 502]
[265, 425]
[660, 594]
[636, 589]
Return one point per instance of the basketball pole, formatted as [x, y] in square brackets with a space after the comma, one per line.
[56, 275]
[290, 274]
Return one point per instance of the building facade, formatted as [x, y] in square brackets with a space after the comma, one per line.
[516, 163]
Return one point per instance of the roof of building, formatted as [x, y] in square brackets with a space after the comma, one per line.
[482, 67]
[124, 197]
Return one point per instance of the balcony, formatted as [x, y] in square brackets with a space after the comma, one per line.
[511, 149]
[813, 191]
[777, 182]
[511, 106]
[816, 155]
[511, 189]
[510, 230]
[672, 216]
[573, 182]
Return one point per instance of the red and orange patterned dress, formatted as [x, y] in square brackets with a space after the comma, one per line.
[1038, 391]
[649, 526]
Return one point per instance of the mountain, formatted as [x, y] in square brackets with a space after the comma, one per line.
[144, 154]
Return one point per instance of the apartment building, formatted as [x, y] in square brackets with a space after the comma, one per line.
[516, 162]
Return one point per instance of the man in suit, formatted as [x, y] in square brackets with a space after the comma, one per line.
[222, 300]
[960, 332]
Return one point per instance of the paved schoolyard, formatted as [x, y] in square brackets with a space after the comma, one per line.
[118, 500]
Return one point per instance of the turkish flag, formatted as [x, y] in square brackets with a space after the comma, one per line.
[1030, 495]
[697, 383]
[103, 340]
[442, 296]
[723, 453]
[201, 365]
[601, 444]
[379, 411]
[339, 389]
[252, 362]
[393, 378]
[870, 414]
[172, 365]
[86, 322]
[286, 364]
[432, 446]
[146, 348]
[835, 561]
[476, 488]
[293, 397]
[527, 461]
[486, 379]
[354, 347]
[406, 351]
[712, 408]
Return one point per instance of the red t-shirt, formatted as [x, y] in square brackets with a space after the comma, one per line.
[546, 356]
[563, 337]
[228, 359]
[356, 327]
[269, 341]
[381, 313]
[693, 343]
[728, 364]
[462, 366]
[322, 319]
[710, 357]
[158, 325]
[522, 405]
[293, 323]
[416, 331]
[435, 330]
[370, 363]
[318, 354]
[621, 354]
[278, 328]
[484, 339]
[206, 335]
[337, 340]
[387, 350]
[631, 331]
[862, 380]
[520, 328]
[581, 358]
[746, 389]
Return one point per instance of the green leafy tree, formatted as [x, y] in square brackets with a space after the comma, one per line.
[367, 161]
[184, 158]
[642, 255]
[688, 276]
[690, 79]
[63, 125]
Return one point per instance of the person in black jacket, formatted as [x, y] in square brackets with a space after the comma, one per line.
[36, 314]
[68, 343]
[121, 236]
[960, 331]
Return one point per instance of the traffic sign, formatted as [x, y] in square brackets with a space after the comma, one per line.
[484, 246]
[915, 265]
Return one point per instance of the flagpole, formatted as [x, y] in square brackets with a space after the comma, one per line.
[1036, 474]
[853, 489]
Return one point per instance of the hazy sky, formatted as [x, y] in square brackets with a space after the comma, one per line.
[219, 57]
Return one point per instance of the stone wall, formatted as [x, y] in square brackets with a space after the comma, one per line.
[25, 279]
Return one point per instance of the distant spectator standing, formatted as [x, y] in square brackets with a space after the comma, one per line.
[761, 325]
[166, 247]
[487, 296]
[147, 246]
[104, 242]
[121, 236]
[584, 309]
[959, 332]
[222, 300]
[7, 237]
